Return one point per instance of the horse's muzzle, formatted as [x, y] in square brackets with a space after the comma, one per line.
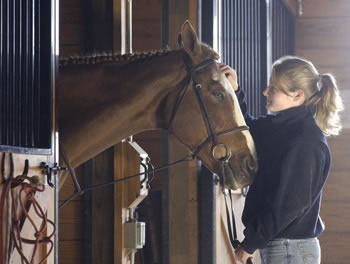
[239, 172]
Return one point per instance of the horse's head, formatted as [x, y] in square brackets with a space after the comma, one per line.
[208, 118]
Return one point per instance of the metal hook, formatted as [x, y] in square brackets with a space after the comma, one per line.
[48, 171]
[3, 163]
[26, 168]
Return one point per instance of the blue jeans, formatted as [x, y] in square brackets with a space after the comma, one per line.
[292, 251]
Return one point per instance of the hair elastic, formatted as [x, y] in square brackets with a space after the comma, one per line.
[319, 83]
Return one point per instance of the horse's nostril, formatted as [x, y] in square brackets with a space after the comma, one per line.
[251, 164]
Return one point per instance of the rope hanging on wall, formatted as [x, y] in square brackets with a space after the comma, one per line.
[15, 190]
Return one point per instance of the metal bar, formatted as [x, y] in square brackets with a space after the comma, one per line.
[20, 56]
[25, 80]
[7, 66]
[32, 74]
[1, 68]
[255, 80]
[13, 75]
[36, 118]
[128, 11]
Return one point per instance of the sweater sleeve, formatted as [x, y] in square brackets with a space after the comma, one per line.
[243, 105]
[299, 172]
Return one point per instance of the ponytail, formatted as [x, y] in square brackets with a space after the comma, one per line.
[327, 103]
[322, 96]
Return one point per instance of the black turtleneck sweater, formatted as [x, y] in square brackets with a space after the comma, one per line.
[294, 162]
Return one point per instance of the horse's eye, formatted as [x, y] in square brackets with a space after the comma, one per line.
[219, 96]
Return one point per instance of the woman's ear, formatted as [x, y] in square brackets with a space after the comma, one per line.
[299, 96]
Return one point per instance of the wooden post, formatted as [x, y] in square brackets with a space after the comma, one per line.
[182, 180]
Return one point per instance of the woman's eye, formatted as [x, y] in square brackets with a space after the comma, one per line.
[219, 96]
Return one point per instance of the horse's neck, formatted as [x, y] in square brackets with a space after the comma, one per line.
[102, 104]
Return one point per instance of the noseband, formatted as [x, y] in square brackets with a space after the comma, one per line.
[213, 136]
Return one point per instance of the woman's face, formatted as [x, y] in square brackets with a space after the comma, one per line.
[276, 100]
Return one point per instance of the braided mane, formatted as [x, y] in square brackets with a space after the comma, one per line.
[104, 57]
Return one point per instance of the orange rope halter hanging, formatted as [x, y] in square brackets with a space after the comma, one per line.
[28, 186]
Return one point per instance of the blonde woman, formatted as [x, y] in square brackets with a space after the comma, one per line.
[281, 214]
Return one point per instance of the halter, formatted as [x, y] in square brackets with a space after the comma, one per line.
[213, 136]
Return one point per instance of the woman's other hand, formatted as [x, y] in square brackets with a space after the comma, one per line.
[230, 75]
[242, 255]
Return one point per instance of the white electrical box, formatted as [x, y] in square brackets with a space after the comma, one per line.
[135, 234]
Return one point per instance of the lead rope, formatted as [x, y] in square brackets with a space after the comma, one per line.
[232, 228]
[79, 191]
[27, 187]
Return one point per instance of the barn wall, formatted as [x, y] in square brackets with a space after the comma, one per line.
[146, 36]
[70, 216]
[322, 35]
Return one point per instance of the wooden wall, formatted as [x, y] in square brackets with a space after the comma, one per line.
[70, 224]
[146, 36]
[322, 35]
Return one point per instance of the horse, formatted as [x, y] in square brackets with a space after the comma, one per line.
[104, 98]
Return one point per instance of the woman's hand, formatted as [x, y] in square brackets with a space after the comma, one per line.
[230, 75]
[242, 255]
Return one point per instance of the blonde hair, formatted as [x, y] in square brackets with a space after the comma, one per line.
[321, 92]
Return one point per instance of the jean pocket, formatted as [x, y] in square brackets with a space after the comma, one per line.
[275, 252]
[310, 251]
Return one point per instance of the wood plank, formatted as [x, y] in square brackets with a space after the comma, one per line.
[102, 205]
[119, 213]
[70, 4]
[335, 247]
[326, 8]
[323, 33]
[337, 186]
[70, 15]
[183, 246]
[340, 150]
[336, 215]
[68, 188]
[70, 50]
[146, 25]
[70, 34]
[71, 213]
[326, 57]
[70, 250]
[71, 231]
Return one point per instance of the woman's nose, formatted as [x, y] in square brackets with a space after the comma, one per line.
[265, 92]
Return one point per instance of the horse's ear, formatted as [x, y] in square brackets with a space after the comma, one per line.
[179, 41]
[190, 40]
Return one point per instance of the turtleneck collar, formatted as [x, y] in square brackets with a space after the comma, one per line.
[291, 115]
